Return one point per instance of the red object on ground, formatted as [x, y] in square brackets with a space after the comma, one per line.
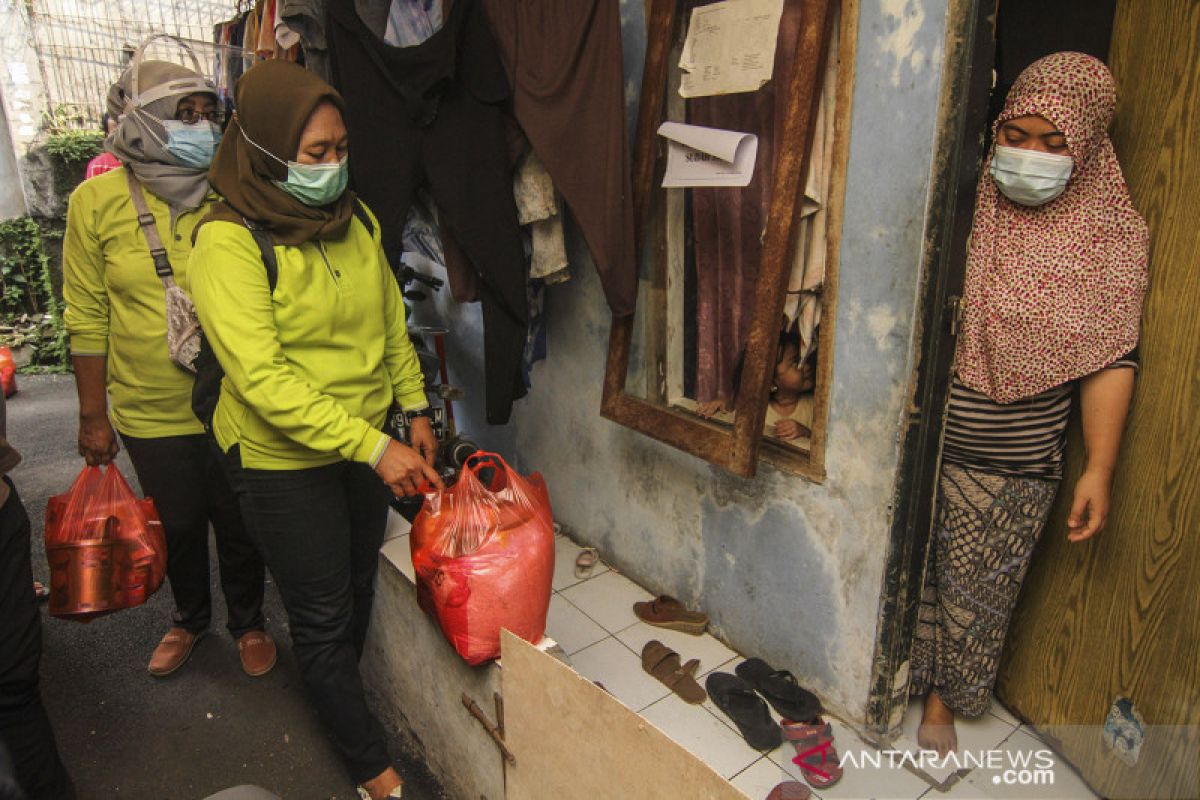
[8, 371]
[105, 546]
[483, 552]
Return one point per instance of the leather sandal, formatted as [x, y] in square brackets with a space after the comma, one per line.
[663, 663]
[667, 612]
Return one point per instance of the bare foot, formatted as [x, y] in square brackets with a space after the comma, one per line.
[937, 727]
[380, 787]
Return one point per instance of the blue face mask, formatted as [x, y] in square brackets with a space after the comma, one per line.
[1030, 177]
[316, 184]
[312, 184]
[193, 145]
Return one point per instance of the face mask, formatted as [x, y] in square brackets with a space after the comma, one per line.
[1029, 177]
[316, 184]
[311, 184]
[193, 145]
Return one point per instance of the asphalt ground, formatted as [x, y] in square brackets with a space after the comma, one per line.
[125, 734]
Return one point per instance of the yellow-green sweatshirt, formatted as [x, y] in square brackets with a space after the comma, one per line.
[115, 304]
[312, 369]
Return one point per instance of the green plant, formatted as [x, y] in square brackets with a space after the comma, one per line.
[28, 304]
[69, 139]
[75, 145]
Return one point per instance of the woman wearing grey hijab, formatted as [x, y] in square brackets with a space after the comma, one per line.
[127, 384]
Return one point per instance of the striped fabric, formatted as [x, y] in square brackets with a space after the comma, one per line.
[1024, 439]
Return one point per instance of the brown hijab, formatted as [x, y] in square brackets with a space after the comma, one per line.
[274, 100]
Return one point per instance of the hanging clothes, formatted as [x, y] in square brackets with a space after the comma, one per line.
[564, 62]
[538, 209]
[430, 116]
[307, 19]
[411, 22]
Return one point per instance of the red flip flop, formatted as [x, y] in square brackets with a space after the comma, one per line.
[815, 754]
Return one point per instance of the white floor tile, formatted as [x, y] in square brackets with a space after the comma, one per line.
[1060, 782]
[757, 780]
[608, 599]
[397, 550]
[975, 736]
[570, 627]
[997, 710]
[708, 649]
[611, 663]
[565, 553]
[864, 782]
[396, 525]
[703, 736]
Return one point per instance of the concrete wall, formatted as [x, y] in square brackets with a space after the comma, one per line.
[787, 569]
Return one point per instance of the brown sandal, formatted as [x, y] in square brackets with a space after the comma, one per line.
[667, 612]
[663, 663]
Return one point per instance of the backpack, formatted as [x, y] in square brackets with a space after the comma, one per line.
[206, 390]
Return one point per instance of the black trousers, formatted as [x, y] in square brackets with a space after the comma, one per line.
[187, 480]
[320, 531]
[25, 730]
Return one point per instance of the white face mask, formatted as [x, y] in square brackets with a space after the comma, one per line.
[1030, 177]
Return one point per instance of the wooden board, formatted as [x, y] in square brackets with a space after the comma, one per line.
[574, 741]
[1119, 616]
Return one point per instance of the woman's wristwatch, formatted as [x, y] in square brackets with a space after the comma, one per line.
[426, 412]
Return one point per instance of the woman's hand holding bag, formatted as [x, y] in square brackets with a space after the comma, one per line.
[404, 470]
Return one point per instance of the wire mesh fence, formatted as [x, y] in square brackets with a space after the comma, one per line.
[82, 46]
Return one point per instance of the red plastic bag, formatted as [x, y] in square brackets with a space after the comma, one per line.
[106, 547]
[8, 371]
[483, 552]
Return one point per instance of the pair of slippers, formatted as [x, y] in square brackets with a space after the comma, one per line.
[738, 696]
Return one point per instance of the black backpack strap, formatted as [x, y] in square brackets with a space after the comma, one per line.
[360, 211]
[266, 248]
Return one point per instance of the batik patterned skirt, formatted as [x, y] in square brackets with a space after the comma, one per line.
[986, 529]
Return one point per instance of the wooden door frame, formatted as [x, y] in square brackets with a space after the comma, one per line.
[962, 117]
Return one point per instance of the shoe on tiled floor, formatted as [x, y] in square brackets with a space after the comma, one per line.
[173, 651]
[257, 652]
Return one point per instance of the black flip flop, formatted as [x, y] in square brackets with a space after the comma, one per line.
[789, 699]
[737, 699]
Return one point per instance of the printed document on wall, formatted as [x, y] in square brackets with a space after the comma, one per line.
[730, 47]
[698, 156]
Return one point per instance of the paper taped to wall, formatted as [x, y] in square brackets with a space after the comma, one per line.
[698, 156]
[730, 47]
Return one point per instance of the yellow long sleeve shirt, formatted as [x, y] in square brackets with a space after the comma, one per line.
[311, 369]
[116, 307]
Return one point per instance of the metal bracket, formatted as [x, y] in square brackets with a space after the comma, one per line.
[496, 731]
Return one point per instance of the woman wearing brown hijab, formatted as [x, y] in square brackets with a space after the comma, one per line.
[312, 366]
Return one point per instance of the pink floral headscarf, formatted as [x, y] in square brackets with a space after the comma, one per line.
[1054, 293]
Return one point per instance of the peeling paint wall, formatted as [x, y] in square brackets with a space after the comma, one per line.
[787, 569]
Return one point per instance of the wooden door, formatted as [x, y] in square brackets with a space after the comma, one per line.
[1120, 616]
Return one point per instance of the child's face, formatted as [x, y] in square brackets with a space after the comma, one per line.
[791, 376]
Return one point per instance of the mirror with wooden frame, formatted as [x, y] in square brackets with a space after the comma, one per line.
[728, 354]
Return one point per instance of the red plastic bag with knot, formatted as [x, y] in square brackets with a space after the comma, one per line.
[105, 546]
[483, 552]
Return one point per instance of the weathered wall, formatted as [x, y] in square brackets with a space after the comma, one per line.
[787, 569]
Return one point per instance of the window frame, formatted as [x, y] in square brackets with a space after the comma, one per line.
[738, 448]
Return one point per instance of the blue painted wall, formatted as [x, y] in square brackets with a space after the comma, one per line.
[787, 569]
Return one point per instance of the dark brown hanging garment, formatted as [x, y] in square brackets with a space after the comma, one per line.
[564, 62]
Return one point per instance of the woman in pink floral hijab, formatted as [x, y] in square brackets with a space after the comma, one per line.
[1056, 276]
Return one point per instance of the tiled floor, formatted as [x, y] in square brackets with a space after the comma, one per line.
[592, 620]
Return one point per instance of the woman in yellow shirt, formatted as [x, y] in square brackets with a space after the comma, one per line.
[116, 317]
[312, 367]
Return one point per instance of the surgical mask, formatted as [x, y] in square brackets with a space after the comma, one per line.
[193, 145]
[1030, 177]
[316, 184]
[312, 184]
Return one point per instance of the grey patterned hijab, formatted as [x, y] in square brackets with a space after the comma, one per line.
[139, 140]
